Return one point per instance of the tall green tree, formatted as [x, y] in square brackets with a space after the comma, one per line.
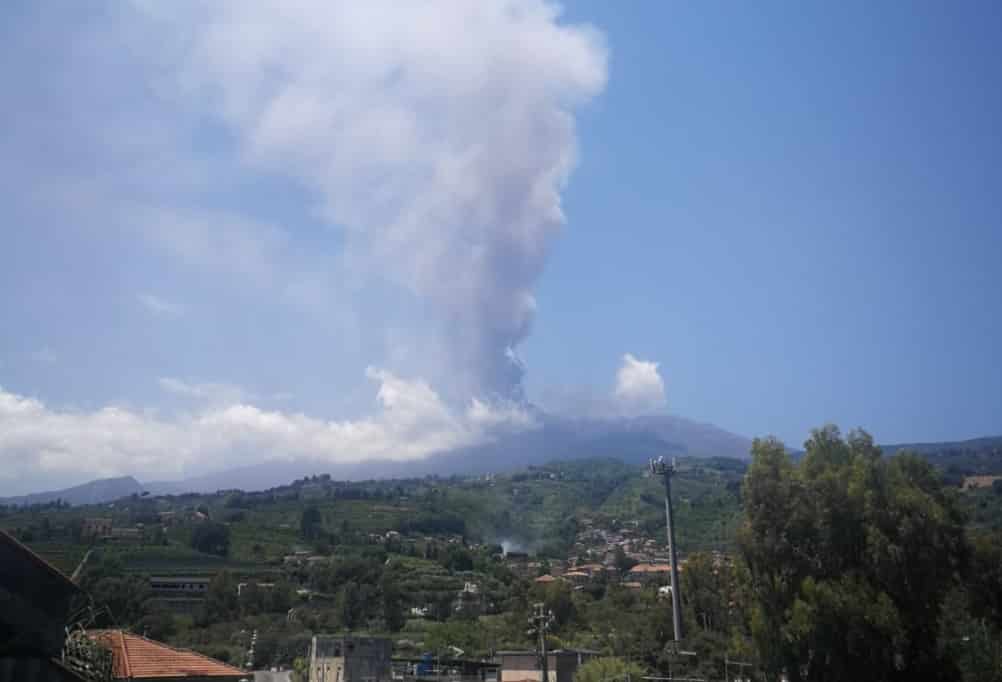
[211, 537]
[393, 607]
[350, 605]
[221, 601]
[311, 523]
[849, 556]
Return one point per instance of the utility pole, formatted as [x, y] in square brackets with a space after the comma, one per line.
[661, 468]
[540, 622]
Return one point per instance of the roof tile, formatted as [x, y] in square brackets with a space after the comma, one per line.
[136, 657]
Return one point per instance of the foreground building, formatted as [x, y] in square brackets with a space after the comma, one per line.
[138, 658]
[35, 603]
[343, 658]
[523, 666]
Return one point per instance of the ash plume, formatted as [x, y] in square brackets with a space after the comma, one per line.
[437, 135]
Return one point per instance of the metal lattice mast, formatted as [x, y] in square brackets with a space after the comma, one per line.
[661, 468]
[540, 622]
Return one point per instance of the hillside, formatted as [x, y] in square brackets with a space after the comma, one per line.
[975, 457]
[93, 492]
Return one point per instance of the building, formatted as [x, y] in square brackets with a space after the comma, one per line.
[126, 536]
[35, 604]
[649, 573]
[577, 577]
[343, 658]
[96, 528]
[523, 666]
[591, 569]
[180, 593]
[140, 659]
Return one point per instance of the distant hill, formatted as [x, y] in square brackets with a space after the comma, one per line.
[958, 459]
[94, 492]
[632, 440]
[987, 444]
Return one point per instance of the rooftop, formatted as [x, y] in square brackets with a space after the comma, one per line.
[136, 657]
[651, 568]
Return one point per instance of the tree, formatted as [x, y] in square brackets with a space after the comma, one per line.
[311, 523]
[212, 538]
[557, 597]
[125, 598]
[393, 609]
[608, 669]
[847, 556]
[158, 623]
[457, 558]
[623, 562]
[350, 605]
[221, 601]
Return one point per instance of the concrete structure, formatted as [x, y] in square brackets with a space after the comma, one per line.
[179, 592]
[97, 528]
[523, 666]
[345, 658]
[126, 536]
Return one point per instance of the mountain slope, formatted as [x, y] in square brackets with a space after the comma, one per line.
[631, 440]
[93, 492]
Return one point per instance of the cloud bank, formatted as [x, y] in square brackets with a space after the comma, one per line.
[411, 421]
[421, 145]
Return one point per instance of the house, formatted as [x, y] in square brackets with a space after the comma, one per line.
[343, 658]
[545, 579]
[140, 659]
[577, 577]
[523, 666]
[647, 573]
[35, 604]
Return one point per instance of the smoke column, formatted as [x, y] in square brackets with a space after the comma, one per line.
[438, 135]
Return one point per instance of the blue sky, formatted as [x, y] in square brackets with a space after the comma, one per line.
[220, 240]
[795, 208]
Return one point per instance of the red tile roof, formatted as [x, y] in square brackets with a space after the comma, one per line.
[138, 658]
[651, 568]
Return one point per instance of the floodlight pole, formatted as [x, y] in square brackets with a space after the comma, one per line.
[661, 468]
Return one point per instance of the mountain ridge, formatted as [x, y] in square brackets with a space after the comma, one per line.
[96, 491]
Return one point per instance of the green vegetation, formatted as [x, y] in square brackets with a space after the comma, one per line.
[608, 669]
[841, 564]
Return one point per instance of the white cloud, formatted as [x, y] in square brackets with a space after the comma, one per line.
[160, 306]
[411, 422]
[639, 387]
